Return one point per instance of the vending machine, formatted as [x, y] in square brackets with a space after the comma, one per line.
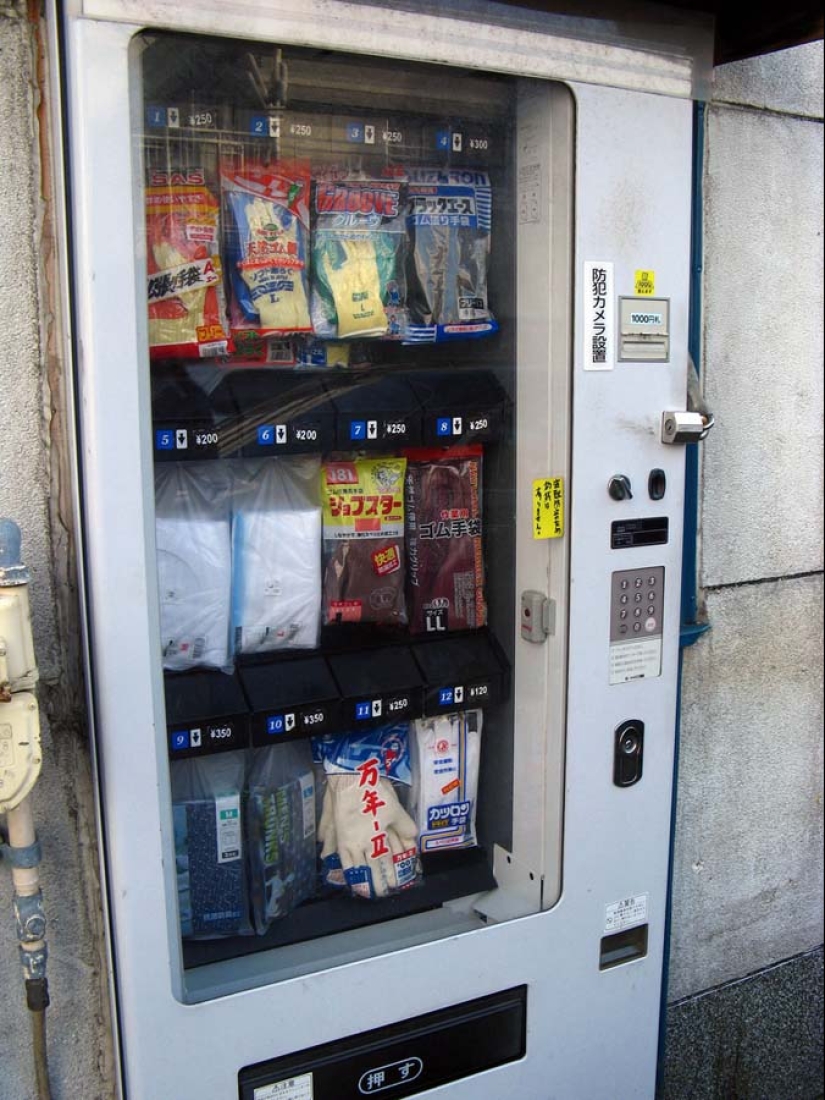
[379, 336]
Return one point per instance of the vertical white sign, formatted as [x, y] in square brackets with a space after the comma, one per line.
[599, 319]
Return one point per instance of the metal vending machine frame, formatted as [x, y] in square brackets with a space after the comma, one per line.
[548, 984]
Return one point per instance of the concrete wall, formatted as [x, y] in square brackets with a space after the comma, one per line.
[748, 872]
[33, 492]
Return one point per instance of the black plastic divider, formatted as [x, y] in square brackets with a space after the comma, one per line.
[209, 411]
[375, 413]
[447, 875]
[286, 697]
[378, 686]
[206, 712]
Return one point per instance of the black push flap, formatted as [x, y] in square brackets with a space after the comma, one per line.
[193, 416]
[404, 1059]
[289, 699]
[206, 712]
[280, 412]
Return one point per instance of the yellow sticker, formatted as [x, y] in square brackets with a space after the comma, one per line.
[645, 283]
[548, 508]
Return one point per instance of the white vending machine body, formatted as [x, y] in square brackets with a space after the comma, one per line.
[550, 964]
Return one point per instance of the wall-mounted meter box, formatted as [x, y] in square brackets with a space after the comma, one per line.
[342, 438]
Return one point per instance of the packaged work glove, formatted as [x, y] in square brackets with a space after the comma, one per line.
[194, 561]
[363, 509]
[449, 221]
[267, 241]
[276, 555]
[368, 840]
[187, 306]
[445, 753]
[358, 259]
[280, 831]
[209, 853]
[445, 565]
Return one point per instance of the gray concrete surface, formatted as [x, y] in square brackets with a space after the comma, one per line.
[748, 866]
[762, 510]
[787, 80]
[78, 1040]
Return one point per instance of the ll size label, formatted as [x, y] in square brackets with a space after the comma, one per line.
[548, 508]
[626, 913]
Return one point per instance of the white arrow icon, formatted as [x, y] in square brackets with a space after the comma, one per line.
[369, 135]
[457, 143]
[457, 425]
[458, 694]
[376, 708]
[280, 433]
[372, 429]
[289, 721]
[181, 439]
[195, 739]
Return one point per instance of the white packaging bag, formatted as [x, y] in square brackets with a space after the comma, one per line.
[194, 560]
[276, 555]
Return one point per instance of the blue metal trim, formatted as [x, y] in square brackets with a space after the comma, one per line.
[690, 630]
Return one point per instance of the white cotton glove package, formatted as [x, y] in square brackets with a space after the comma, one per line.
[373, 834]
[445, 756]
[192, 533]
[276, 548]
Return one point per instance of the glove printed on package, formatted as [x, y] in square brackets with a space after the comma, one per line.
[449, 221]
[194, 560]
[267, 241]
[276, 555]
[358, 259]
[445, 753]
[363, 508]
[368, 840]
[280, 831]
[187, 306]
[209, 855]
[445, 567]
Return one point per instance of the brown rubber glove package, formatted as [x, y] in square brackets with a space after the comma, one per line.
[445, 565]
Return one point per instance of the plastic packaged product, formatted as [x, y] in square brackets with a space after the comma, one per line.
[276, 555]
[445, 755]
[209, 854]
[367, 838]
[449, 221]
[445, 566]
[267, 239]
[363, 508]
[186, 302]
[280, 831]
[194, 560]
[358, 258]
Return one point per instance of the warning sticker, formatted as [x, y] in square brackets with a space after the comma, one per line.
[626, 913]
[636, 660]
[599, 352]
[548, 508]
[294, 1088]
[644, 283]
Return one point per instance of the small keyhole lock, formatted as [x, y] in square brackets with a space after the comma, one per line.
[628, 752]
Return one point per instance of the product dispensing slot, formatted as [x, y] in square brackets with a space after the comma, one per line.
[459, 673]
[206, 712]
[461, 407]
[378, 687]
[279, 413]
[375, 414]
[293, 698]
[193, 416]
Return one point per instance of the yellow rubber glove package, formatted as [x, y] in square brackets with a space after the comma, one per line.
[267, 235]
[359, 288]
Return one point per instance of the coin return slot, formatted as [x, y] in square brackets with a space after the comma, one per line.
[623, 947]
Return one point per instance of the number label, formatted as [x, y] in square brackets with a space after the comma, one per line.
[481, 144]
[202, 118]
[479, 691]
[313, 719]
[395, 427]
[479, 424]
[395, 705]
[306, 435]
[205, 439]
[392, 137]
[300, 129]
[220, 733]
